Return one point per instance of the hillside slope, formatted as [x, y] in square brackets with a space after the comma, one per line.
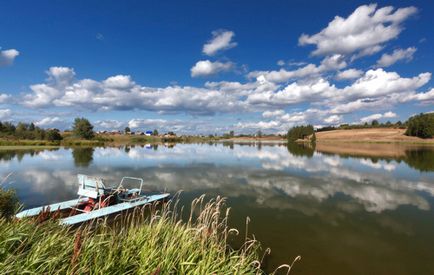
[369, 135]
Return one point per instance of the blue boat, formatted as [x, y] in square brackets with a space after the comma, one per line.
[96, 201]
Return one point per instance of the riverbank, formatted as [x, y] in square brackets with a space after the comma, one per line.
[151, 241]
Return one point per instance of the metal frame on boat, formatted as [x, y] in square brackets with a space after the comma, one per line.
[96, 201]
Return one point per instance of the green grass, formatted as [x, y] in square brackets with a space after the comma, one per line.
[152, 240]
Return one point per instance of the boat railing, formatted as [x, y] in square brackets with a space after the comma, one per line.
[132, 178]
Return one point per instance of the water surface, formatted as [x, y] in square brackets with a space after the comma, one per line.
[343, 213]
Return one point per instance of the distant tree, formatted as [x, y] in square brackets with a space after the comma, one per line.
[300, 132]
[171, 133]
[375, 123]
[53, 135]
[82, 128]
[231, 134]
[32, 127]
[127, 130]
[259, 134]
[399, 123]
[421, 125]
[155, 133]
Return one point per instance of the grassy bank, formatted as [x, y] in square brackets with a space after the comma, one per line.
[152, 240]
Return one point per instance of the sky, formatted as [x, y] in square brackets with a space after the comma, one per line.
[205, 67]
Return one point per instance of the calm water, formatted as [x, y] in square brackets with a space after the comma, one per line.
[344, 214]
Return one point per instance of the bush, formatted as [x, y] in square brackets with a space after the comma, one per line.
[421, 125]
[53, 135]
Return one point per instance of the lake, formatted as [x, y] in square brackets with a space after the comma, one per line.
[346, 210]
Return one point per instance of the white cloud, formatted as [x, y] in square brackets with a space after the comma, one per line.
[207, 68]
[7, 57]
[109, 124]
[5, 113]
[377, 116]
[397, 55]
[378, 82]
[48, 121]
[363, 32]
[349, 74]
[389, 114]
[333, 119]
[268, 114]
[281, 63]
[4, 98]
[333, 62]
[221, 40]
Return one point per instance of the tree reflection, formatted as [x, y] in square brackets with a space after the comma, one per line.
[421, 159]
[301, 149]
[83, 156]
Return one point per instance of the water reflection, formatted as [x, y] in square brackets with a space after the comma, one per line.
[301, 200]
[83, 156]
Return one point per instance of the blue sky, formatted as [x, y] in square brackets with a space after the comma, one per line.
[214, 66]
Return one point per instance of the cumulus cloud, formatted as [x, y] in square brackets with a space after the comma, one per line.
[207, 68]
[397, 55]
[334, 62]
[5, 113]
[329, 63]
[362, 33]
[7, 57]
[377, 116]
[333, 119]
[48, 121]
[4, 98]
[349, 74]
[221, 40]
[109, 124]
[268, 114]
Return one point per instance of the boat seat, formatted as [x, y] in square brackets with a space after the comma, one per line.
[91, 187]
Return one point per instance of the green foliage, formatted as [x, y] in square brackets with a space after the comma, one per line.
[155, 133]
[53, 135]
[421, 125]
[127, 130]
[299, 132]
[82, 128]
[375, 123]
[22, 131]
[8, 203]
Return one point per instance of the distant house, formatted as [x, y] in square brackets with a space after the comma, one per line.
[148, 133]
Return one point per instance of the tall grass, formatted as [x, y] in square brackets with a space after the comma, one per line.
[151, 240]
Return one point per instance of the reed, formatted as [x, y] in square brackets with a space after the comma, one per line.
[150, 240]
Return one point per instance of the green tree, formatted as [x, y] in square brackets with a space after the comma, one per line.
[155, 133]
[231, 134]
[127, 130]
[300, 132]
[421, 125]
[82, 128]
[53, 135]
[375, 123]
[259, 134]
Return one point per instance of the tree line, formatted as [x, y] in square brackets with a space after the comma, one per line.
[28, 131]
